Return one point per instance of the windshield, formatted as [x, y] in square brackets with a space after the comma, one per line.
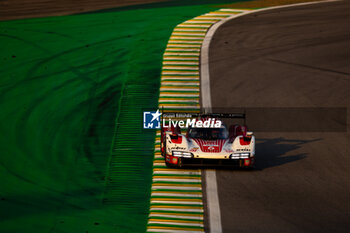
[208, 133]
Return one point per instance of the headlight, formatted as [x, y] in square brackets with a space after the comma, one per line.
[240, 155]
[177, 153]
[182, 154]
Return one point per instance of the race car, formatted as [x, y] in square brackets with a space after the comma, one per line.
[233, 146]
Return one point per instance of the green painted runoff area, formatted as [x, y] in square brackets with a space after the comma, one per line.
[63, 83]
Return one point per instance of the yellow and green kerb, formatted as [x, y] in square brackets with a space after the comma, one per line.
[176, 196]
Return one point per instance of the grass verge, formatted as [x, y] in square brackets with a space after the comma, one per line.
[61, 88]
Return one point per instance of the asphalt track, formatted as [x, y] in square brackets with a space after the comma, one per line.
[292, 57]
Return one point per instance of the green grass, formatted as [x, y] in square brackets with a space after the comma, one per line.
[62, 80]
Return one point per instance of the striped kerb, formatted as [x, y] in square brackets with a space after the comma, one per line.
[176, 196]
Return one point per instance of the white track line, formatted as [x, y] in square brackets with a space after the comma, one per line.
[178, 89]
[177, 209]
[172, 231]
[175, 194]
[175, 216]
[176, 223]
[177, 180]
[180, 107]
[170, 83]
[213, 204]
[177, 202]
[172, 187]
[214, 214]
[178, 95]
[177, 172]
[162, 194]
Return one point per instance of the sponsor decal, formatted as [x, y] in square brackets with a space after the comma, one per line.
[194, 149]
[210, 143]
[245, 149]
[214, 146]
[178, 148]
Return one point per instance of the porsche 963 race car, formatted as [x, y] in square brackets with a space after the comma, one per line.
[220, 146]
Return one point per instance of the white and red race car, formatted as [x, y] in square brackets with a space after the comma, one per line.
[208, 146]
